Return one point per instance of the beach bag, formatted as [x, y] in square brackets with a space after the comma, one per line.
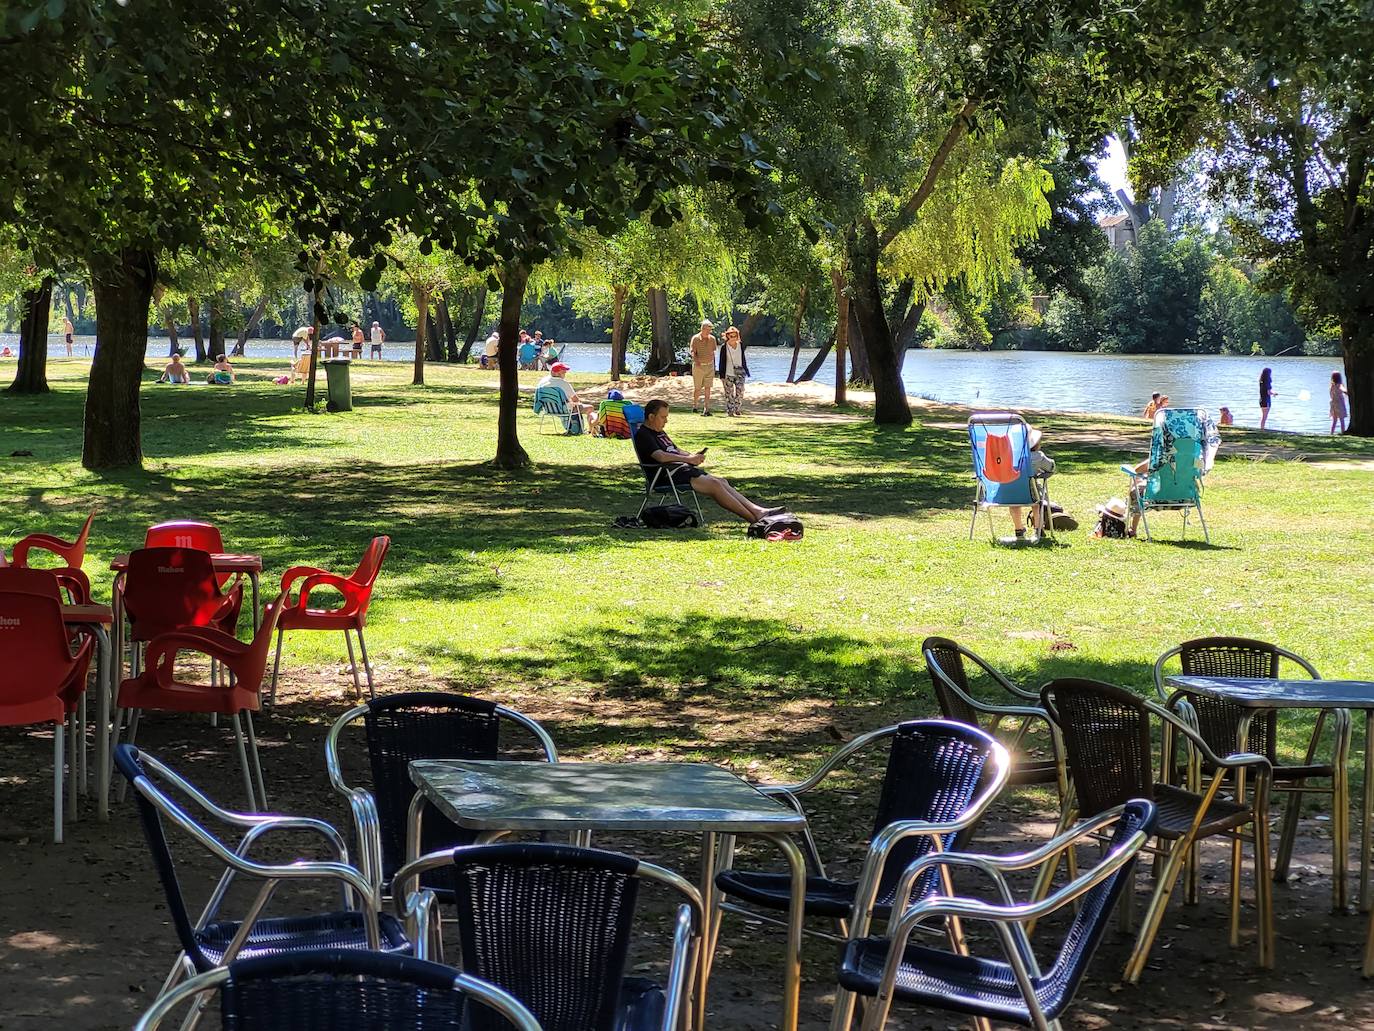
[787, 526]
[999, 464]
[669, 517]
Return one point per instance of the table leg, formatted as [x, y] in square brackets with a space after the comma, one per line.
[105, 685]
[414, 823]
[791, 999]
[257, 612]
[1368, 810]
[697, 1012]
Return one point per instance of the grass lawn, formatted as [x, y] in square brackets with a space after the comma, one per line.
[687, 644]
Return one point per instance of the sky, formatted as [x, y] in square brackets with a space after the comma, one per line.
[1112, 168]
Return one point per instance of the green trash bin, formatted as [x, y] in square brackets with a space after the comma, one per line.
[340, 388]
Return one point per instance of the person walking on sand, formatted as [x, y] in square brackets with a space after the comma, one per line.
[377, 336]
[703, 367]
[1267, 395]
[733, 369]
[1340, 410]
[67, 330]
[303, 335]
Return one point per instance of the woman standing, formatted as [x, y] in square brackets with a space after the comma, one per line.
[1339, 410]
[1267, 394]
[733, 368]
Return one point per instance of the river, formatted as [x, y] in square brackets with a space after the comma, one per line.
[1115, 384]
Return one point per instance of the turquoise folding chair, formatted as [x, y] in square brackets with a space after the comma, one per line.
[1180, 452]
[549, 402]
[1002, 469]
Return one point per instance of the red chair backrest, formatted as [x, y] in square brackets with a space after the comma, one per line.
[168, 588]
[48, 582]
[366, 574]
[77, 554]
[38, 657]
[185, 533]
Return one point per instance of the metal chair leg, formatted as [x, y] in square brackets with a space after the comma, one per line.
[257, 762]
[131, 715]
[276, 665]
[353, 665]
[1235, 890]
[367, 666]
[59, 736]
[243, 763]
[1154, 912]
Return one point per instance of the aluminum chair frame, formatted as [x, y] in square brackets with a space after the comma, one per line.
[1039, 485]
[651, 487]
[363, 804]
[565, 418]
[354, 887]
[1174, 857]
[1143, 506]
[1341, 744]
[879, 848]
[484, 992]
[420, 909]
[1010, 919]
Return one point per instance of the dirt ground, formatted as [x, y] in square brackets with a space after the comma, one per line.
[85, 938]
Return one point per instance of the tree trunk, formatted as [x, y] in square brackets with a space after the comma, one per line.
[509, 453]
[31, 377]
[841, 332]
[1357, 345]
[173, 341]
[751, 322]
[193, 306]
[906, 331]
[890, 404]
[216, 325]
[67, 302]
[434, 344]
[860, 375]
[123, 285]
[445, 320]
[796, 337]
[421, 324]
[259, 310]
[814, 366]
[479, 309]
[619, 332]
[661, 355]
[316, 309]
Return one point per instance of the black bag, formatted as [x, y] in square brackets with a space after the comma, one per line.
[776, 524]
[1110, 526]
[669, 517]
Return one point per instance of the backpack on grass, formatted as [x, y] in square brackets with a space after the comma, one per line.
[669, 517]
[785, 523]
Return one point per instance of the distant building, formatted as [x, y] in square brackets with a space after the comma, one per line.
[1120, 230]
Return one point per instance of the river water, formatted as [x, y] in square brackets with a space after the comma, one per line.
[1115, 384]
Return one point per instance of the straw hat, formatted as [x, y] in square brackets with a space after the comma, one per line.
[1034, 438]
[1115, 508]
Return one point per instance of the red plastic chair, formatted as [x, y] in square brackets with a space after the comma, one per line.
[71, 552]
[351, 615]
[40, 679]
[165, 589]
[158, 688]
[184, 533]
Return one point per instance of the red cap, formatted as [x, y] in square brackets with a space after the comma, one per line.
[558, 367]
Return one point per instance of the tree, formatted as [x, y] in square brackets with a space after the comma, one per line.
[1294, 143]
[1071, 242]
[420, 274]
[33, 286]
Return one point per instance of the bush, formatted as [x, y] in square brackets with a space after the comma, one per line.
[1068, 326]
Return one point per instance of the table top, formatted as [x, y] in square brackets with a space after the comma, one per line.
[87, 614]
[1281, 694]
[222, 563]
[508, 795]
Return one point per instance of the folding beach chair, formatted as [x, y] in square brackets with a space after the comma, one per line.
[611, 416]
[549, 402]
[1182, 448]
[1002, 469]
[659, 485]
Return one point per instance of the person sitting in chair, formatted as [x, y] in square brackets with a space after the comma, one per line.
[1042, 468]
[655, 447]
[575, 405]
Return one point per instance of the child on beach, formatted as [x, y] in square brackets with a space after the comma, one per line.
[1227, 419]
[1340, 411]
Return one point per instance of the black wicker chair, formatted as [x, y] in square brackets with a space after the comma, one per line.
[1012, 988]
[551, 924]
[210, 942]
[418, 725]
[1107, 746]
[337, 990]
[1218, 721]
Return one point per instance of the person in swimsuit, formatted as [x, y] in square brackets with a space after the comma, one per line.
[68, 329]
[655, 447]
[1267, 394]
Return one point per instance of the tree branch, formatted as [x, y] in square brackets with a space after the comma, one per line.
[907, 214]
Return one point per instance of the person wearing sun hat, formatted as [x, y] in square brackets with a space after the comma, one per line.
[555, 380]
[1042, 468]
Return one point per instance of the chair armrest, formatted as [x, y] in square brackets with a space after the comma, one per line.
[675, 989]
[296, 573]
[1235, 761]
[421, 926]
[835, 760]
[353, 593]
[163, 649]
[40, 542]
[261, 829]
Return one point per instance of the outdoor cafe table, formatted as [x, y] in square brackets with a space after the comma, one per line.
[496, 797]
[96, 618]
[1260, 695]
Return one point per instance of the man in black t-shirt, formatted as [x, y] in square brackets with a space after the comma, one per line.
[654, 447]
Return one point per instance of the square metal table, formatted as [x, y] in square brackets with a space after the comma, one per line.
[496, 797]
[1260, 695]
